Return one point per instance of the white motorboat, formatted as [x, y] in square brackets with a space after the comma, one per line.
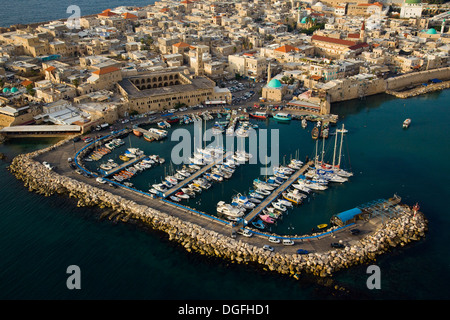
[171, 180]
[279, 206]
[256, 195]
[229, 210]
[262, 191]
[160, 187]
[182, 195]
[301, 187]
[262, 185]
[285, 203]
[243, 201]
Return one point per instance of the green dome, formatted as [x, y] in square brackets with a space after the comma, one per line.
[274, 83]
[303, 20]
[14, 90]
[5, 90]
[431, 31]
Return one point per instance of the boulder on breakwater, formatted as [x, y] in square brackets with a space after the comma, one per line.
[404, 228]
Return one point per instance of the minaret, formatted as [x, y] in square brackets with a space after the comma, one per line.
[362, 35]
[199, 65]
[269, 75]
[443, 26]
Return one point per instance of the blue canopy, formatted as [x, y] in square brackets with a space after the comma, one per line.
[348, 215]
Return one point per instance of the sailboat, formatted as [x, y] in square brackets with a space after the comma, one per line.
[336, 168]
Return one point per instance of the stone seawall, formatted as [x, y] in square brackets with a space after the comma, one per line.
[420, 90]
[401, 230]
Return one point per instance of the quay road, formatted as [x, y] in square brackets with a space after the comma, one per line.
[59, 156]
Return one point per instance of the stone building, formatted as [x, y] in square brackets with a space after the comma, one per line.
[165, 89]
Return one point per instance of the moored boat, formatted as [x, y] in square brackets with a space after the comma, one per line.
[315, 133]
[258, 115]
[281, 116]
[406, 123]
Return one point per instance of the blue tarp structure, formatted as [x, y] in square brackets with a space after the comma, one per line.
[344, 217]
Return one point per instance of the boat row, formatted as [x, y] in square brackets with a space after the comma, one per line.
[99, 153]
[144, 164]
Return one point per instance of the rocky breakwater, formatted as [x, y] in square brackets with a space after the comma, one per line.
[406, 227]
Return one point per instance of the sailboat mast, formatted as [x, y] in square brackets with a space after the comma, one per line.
[315, 158]
[340, 147]
[323, 146]
[334, 151]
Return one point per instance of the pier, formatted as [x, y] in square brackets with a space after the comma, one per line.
[123, 165]
[197, 174]
[148, 133]
[276, 192]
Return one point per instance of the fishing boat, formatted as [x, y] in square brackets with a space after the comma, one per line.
[173, 119]
[137, 133]
[281, 116]
[322, 226]
[124, 158]
[148, 137]
[267, 218]
[406, 123]
[315, 133]
[175, 198]
[259, 224]
[258, 115]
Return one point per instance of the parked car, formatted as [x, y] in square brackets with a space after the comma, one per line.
[267, 247]
[288, 242]
[355, 232]
[302, 251]
[337, 245]
[274, 240]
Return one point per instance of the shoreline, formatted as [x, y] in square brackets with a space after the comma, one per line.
[420, 90]
[399, 231]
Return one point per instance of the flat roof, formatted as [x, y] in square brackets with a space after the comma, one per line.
[43, 128]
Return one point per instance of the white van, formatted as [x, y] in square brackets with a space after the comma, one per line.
[288, 242]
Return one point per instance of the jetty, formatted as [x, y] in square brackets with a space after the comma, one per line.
[123, 166]
[276, 193]
[148, 133]
[197, 174]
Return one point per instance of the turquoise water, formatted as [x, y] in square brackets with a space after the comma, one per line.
[41, 236]
[31, 11]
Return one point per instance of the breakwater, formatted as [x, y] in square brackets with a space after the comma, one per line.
[420, 90]
[400, 230]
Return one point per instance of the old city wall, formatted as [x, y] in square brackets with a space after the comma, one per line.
[411, 79]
